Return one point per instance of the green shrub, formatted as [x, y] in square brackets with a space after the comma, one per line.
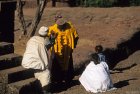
[107, 3]
[134, 2]
[95, 3]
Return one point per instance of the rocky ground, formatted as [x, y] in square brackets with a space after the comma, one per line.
[106, 26]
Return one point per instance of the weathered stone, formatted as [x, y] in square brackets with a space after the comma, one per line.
[24, 87]
[17, 74]
[6, 48]
[7, 15]
[3, 84]
[9, 61]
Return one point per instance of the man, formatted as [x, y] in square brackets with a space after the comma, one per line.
[36, 57]
[66, 40]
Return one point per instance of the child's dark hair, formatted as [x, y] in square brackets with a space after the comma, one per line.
[94, 57]
[98, 48]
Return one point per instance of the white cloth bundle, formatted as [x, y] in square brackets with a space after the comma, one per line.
[96, 78]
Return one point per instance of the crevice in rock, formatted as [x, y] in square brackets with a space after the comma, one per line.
[123, 50]
[114, 55]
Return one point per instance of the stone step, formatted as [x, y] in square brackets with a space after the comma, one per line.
[6, 48]
[23, 82]
[17, 74]
[27, 86]
[9, 61]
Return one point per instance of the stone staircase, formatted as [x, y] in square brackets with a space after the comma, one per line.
[18, 80]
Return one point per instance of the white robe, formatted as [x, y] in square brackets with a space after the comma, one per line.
[96, 78]
[36, 57]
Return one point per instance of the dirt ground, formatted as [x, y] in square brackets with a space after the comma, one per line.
[105, 26]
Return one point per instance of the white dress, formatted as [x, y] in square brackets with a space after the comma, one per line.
[96, 78]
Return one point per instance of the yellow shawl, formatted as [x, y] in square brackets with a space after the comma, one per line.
[64, 38]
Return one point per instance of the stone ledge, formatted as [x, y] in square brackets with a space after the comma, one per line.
[6, 48]
[9, 61]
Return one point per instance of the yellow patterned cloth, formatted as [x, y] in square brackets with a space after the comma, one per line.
[64, 38]
[64, 43]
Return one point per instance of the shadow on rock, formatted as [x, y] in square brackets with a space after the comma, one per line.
[126, 68]
[121, 84]
[59, 87]
[123, 50]
[32, 88]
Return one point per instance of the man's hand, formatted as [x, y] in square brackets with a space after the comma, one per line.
[53, 37]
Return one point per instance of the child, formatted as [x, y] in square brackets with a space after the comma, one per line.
[99, 51]
[96, 76]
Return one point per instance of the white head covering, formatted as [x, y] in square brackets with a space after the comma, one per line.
[43, 31]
